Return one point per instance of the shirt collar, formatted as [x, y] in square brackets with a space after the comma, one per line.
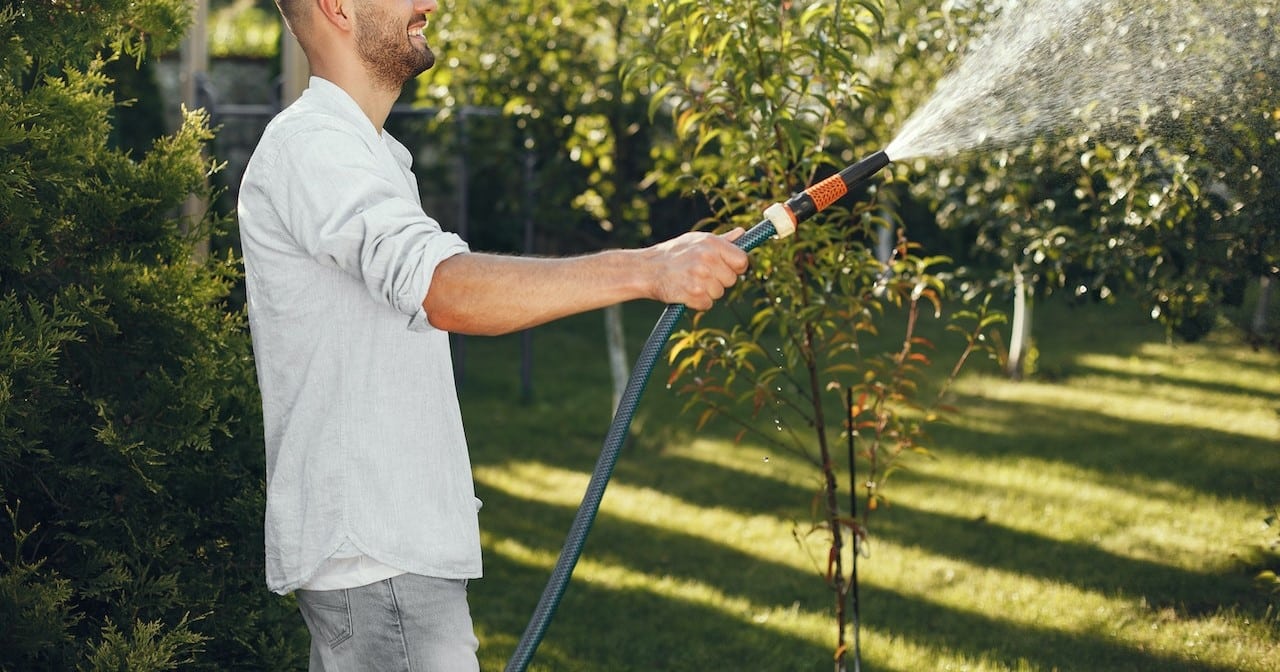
[336, 98]
[339, 101]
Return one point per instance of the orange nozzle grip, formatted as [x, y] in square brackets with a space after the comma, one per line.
[827, 192]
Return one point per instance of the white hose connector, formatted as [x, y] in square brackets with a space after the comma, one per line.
[783, 221]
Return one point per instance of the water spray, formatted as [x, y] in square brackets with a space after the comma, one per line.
[780, 221]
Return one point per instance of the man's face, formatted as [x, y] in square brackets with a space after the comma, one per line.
[389, 39]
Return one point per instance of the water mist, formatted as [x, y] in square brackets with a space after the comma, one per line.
[1048, 68]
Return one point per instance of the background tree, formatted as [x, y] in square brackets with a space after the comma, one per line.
[130, 454]
[553, 71]
[1095, 218]
[1154, 195]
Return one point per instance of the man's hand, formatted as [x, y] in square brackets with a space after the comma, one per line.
[696, 268]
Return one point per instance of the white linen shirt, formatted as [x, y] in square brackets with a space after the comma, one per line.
[364, 439]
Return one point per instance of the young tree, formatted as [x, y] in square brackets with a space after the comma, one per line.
[765, 99]
[130, 459]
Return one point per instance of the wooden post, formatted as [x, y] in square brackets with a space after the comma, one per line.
[195, 54]
[295, 71]
[1266, 287]
[195, 68]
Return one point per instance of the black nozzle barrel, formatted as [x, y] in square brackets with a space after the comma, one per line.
[817, 197]
[864, 169]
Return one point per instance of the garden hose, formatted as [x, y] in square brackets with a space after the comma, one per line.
[780, 221]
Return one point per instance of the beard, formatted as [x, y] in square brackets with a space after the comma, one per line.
[384, 47]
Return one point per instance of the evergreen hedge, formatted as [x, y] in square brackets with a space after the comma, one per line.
[130, 445]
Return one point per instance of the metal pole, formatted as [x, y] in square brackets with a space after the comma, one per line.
[526, 337]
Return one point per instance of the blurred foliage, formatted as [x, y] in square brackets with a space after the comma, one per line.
[245, 29]
[1175, 211]
[550, 72]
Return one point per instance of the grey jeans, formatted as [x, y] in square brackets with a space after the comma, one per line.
[407, 623]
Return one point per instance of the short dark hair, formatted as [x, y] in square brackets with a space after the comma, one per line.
[294, 12]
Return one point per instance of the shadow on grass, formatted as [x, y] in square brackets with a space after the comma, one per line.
[598, 627]
[1075, 563]
[1175, 380]
[635, 629]
[980, 543]
[1219, 463]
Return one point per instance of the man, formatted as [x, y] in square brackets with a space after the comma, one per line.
[371, 516]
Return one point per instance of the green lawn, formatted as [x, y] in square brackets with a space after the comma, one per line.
[1092, 518]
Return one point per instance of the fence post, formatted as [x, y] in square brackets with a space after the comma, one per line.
[195, 69]
[294, 69]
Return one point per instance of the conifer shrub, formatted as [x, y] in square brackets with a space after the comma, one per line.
[130, 447]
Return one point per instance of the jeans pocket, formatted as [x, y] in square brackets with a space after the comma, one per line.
[327, 613]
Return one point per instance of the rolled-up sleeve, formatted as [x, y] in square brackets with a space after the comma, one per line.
[344, 208]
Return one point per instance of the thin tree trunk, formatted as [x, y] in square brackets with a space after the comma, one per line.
[855, 537]
[1020, 338]
[831, 492]
[615, 341]
[884, 243]
[1266, 287]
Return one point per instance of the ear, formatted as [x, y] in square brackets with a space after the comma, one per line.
[336, 13]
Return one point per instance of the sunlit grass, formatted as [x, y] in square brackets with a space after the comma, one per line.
[791, 620]
[1090, 519]
[755, 534]
[1128, 396]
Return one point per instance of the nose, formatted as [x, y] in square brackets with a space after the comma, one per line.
[426, 6]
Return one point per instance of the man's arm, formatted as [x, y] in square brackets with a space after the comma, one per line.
[489, 294]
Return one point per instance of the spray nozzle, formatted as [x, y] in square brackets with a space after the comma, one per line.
[802, 206]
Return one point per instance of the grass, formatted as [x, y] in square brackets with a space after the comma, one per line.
[1100, 516]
